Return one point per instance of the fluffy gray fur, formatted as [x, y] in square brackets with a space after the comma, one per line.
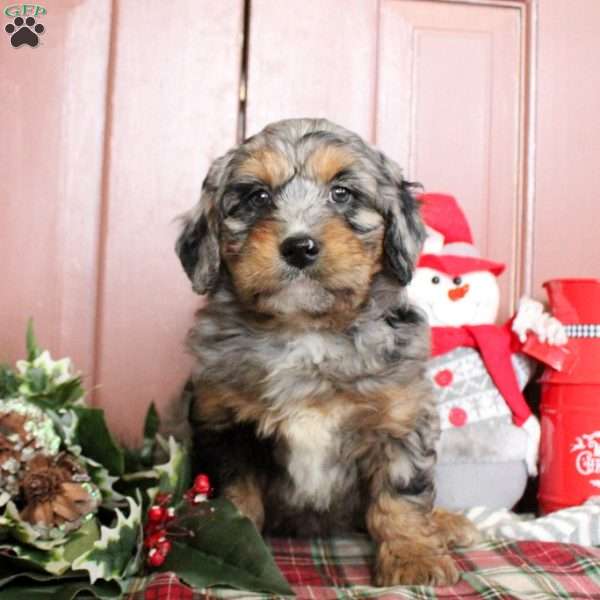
[319, 474]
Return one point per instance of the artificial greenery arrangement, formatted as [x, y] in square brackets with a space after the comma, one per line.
[80, 515]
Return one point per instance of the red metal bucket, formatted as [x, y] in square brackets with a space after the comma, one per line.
[570, 405]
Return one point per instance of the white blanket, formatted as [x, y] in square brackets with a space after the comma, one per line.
[576, 525]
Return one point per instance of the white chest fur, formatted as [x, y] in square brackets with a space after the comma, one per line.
[315, 462]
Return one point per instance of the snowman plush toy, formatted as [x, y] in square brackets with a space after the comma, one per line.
[489, 440]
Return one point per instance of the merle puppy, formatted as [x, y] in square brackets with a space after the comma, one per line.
[309, 406]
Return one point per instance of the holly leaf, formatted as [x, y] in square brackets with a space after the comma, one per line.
[224, 548]
[96, 440]
[81, 541]
[38, 380]
[57, 589]
[27, 572]
[116, 547]
[28, 558]
[9, 382]
[53, 556]
[33, 350]
[151, 426]
[151, 423]
[18, 583]
[174, 476]
[68, 392]
[105, 482]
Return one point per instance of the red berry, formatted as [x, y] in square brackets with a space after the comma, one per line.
[155, 538]
[202, 484]
[156, 513]
[150, 528]
[164, 547]
[155, 558]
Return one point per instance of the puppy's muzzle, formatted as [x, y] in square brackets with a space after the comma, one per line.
[299, 251]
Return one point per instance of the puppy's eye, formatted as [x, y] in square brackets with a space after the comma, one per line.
[435, 280]
[260, 199]
[340, 194]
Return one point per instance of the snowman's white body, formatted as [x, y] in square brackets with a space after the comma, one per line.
[482, 456]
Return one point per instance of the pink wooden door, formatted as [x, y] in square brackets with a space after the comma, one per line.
[317, 60]
[567, 173]
[52, 103]
[173, 109]
[109, 126]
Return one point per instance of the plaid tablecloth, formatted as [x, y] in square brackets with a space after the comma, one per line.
[340, 568]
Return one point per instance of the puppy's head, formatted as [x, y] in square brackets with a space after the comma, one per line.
[298, 219]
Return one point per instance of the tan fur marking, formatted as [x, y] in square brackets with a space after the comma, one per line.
[410, 550]
[221, 406]
[393, 412]
[327, 161]
[347, 264]
[247, 497]
[255, 269]
[345, 268]
[267, 165]
[218, 405]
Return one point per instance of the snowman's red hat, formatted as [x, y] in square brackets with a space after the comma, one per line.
[459, 258]
[443, 213]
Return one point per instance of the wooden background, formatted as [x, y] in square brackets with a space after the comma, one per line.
[109, 125]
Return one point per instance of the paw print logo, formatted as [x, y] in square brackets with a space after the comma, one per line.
[24, 32]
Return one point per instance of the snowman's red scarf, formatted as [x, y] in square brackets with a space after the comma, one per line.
[495, 344]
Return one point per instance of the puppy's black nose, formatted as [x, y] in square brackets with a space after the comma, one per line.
[299, 251]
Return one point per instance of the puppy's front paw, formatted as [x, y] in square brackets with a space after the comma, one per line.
[455, 529]
[403, 563]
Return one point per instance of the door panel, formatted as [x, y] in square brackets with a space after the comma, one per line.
[317, 59]
[173, 110]
[448, 111]
[567, 211]
[52, 102]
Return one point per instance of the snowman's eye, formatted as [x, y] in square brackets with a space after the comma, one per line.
[435, 280]
[457, 281]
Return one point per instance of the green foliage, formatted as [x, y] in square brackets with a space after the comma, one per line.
[225, 548]
[96, 440]
[9, 383]
[114, 549]
[33, 350]
[174, 476]
[106, 551]
[20, 581]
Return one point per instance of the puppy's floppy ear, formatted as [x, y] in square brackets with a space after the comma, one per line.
[405, 232]
[198, 243]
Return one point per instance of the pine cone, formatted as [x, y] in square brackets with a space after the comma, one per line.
[51, 495]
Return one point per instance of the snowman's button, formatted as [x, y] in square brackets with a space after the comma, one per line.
[457, 416]
[444, 378]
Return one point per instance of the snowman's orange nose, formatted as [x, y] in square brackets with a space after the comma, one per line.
[457, 293]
